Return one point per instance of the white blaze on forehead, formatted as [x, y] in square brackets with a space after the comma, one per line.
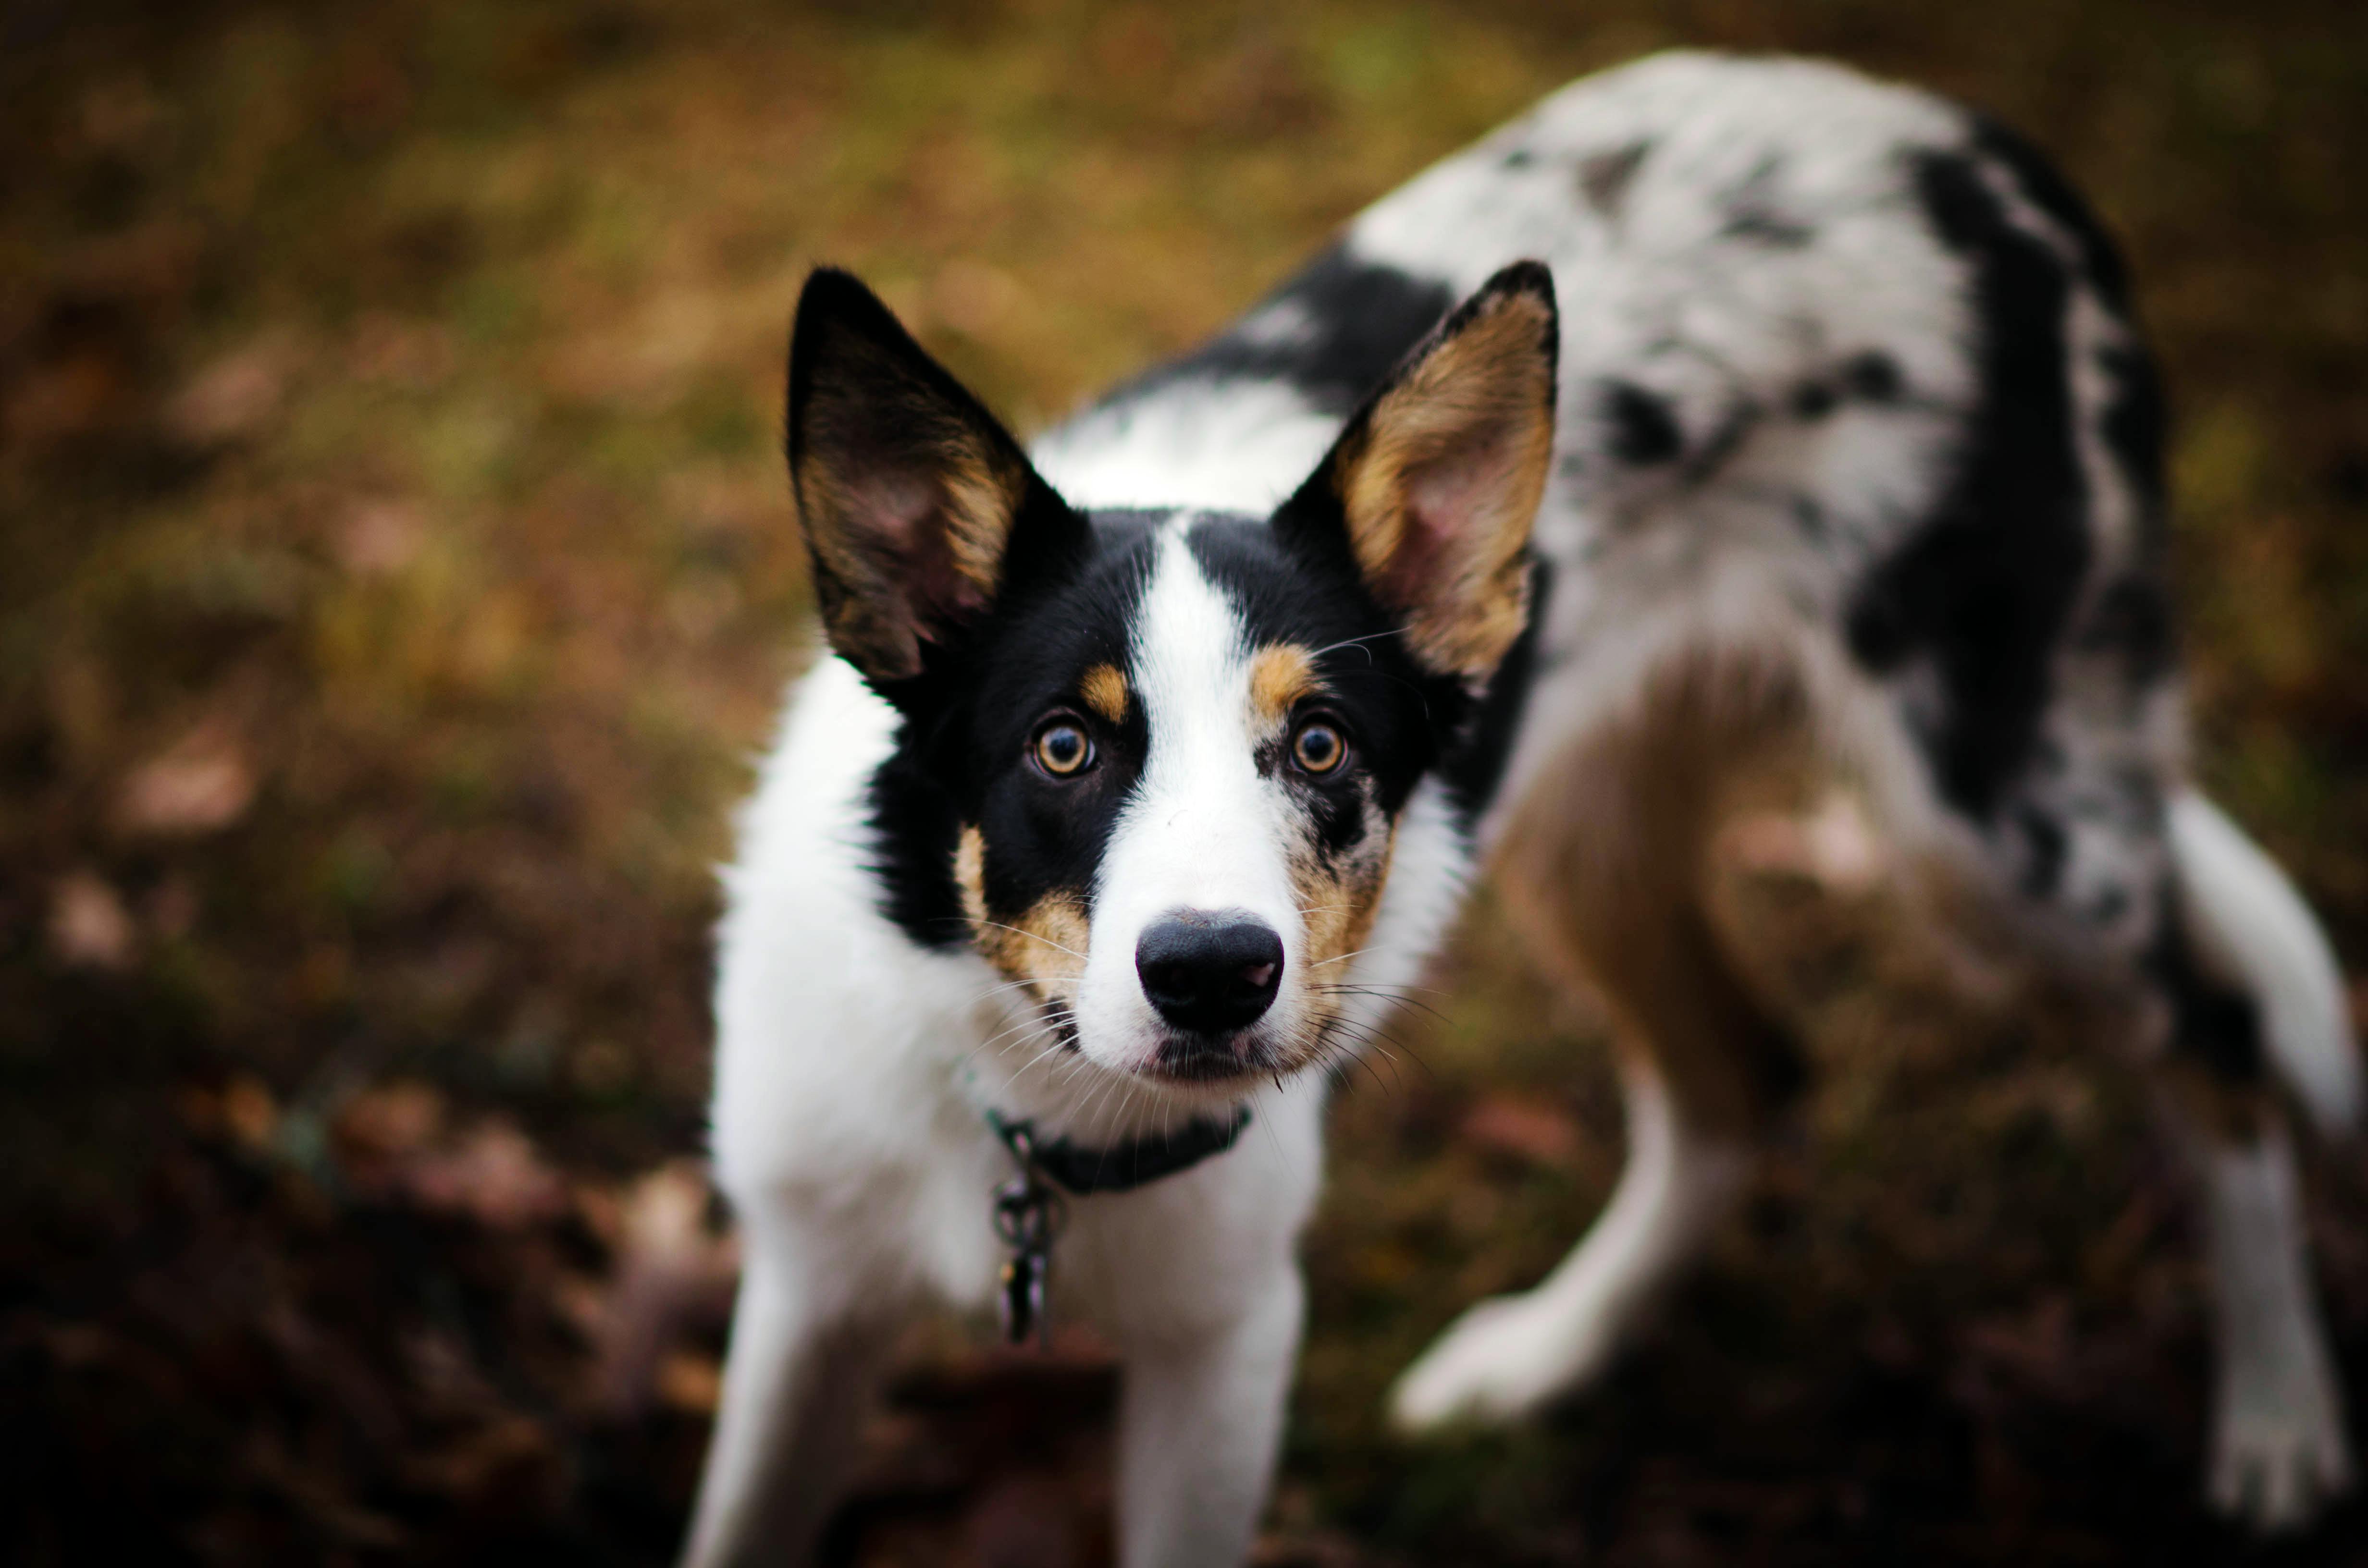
[1202, 830]
[1202, 827]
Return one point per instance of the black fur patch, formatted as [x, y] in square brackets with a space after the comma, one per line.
[2135, 418]
[1812, 400]
[1984, 587]
[2046, 188]
[1874, 376]
[1769, 229]
[2218, 1027]
[1604, 178]
[1474, 764]
[2131, 620]
[2135, 427]
[1754, 215]
[2046, 843]
[1645, 428]
[916, 822]
[1350, 321]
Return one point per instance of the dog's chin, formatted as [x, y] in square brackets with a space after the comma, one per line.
[1213, 1070]
[1198, 1066]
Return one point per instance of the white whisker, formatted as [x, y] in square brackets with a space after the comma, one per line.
[1034, 936]
[1358, 643]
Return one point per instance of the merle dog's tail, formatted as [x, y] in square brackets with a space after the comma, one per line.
[2249, 921]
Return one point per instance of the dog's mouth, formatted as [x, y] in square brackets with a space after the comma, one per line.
[1182, 1059]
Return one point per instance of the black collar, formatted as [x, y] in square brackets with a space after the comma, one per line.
[1120, 1167]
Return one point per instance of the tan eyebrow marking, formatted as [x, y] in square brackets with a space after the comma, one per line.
[1281, 673]
[1104, 689]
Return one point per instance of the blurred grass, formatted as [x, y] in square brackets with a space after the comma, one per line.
[387, 421]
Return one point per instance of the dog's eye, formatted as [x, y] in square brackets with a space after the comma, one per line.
[1062, 749]
[1318, 747]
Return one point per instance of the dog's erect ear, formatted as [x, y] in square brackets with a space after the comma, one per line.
[1433, 486]
[919, 510]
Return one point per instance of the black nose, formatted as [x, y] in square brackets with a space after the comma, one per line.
[1209, 972]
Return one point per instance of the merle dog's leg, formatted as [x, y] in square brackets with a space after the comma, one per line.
[2250, 988]
[1509, 1355]
[795, 1384]
[1610, 885]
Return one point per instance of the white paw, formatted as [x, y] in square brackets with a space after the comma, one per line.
[1498, 1362]
[2274, 1465]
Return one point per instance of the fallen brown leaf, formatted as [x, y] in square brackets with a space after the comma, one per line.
[392, 1119]
[493, 1175]
[381, 537]
[236, 395]
[89, 927]
[203, 782]
[249, 1113]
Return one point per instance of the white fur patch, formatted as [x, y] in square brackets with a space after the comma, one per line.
[2255, 929]
[1241, 447]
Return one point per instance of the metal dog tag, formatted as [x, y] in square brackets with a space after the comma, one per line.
[1027, 1216]
[1022, 1300]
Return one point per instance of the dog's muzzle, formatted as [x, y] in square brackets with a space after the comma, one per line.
[1208, 974]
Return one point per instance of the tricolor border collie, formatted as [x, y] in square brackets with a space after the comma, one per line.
[1152, 761]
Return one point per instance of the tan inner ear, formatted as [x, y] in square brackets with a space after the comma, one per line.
[908, 540]
[981, 497]
[1441, 487]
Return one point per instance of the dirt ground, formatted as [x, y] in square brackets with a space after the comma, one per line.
[396, 576]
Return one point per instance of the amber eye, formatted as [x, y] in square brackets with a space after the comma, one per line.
[1062, 749]
[1318, 747]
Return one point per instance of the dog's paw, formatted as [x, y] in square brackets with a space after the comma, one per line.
[1498, 1362]
[2274, 1466]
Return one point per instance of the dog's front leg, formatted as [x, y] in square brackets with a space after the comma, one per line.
[1200, 1423]
[795, 1384]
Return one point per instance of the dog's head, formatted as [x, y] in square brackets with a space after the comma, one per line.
[1153, 764]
